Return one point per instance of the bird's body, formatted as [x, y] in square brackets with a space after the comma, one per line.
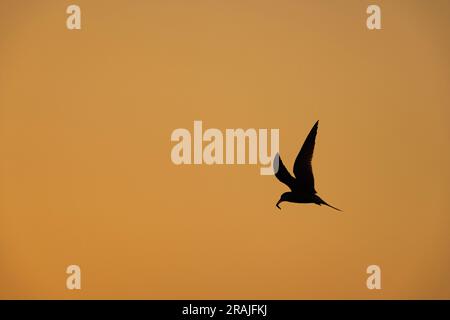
[302, 186]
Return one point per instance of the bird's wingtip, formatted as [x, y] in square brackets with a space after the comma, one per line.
[276, 159]
[276, 163]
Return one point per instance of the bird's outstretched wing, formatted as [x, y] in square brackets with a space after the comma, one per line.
[302, 166]
[282, 174]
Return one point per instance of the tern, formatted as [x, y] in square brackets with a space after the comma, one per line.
[302, 186]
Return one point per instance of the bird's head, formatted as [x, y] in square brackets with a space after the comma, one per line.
[284, 197]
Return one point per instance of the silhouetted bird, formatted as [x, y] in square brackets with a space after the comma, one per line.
[302, 186]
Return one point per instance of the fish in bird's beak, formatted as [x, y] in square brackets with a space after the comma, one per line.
[279, 201]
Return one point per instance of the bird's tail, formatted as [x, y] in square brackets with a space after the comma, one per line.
[320, 202]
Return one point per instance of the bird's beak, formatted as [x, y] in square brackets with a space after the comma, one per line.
[279, 201]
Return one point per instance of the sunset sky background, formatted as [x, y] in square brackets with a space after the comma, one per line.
[86, 176]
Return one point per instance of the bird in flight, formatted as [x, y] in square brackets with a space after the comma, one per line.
[302, 186]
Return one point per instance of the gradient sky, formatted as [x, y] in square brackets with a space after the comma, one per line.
[86, 176]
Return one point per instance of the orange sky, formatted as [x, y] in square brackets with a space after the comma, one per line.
[86, 176]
